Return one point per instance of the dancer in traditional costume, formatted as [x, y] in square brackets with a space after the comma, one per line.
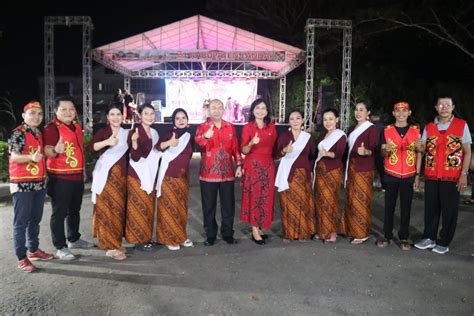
[293, 180]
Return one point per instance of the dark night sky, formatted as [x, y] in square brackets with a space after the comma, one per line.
[21, 43]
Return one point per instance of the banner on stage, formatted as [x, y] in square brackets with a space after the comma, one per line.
[197, 55]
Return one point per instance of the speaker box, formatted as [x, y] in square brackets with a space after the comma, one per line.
[326, 99]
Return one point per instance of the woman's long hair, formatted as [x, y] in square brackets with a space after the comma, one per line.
[267, 119]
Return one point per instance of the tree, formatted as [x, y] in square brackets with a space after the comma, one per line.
[450, 22]
[7, 115]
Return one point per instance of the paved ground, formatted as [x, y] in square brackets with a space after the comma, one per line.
[310, 278]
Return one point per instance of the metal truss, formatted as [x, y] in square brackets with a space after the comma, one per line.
[295, 63]
[109, 63]
[346, 26]
[86, 22]
[48, 71]
[308, 91]
[281, 111]
[157, 73]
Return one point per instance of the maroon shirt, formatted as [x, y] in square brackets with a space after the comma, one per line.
[144, 147]
[306, 158]
[51, 137]
[370, 138]
[338, 149]
[102, 135]
[181, 163]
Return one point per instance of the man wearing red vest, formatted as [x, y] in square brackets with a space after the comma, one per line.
[401, 148]
[65, 165]
[447, 142]
[27, 185]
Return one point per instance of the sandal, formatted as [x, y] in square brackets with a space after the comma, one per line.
[359, 241]
[187, 243]
[382, 243]
[115, 254]
[331, 239]
[405, 245]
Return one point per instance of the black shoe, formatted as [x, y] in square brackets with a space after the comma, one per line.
[258, 242]
[264, 236]
[209, 242]
[145, 247]
[230, 240]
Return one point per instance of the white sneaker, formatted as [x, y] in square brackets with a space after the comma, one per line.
[425, 243]
[440, 249]
[80, 243]
[172, 248]
[187, 243]
[65, 254]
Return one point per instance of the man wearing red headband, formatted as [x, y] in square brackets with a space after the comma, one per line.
[65, 165]
[447, 142]
[27, 185]
[401, 148]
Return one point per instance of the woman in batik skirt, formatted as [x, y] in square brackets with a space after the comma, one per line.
[109, 183]
[293, 180]
[172, 188]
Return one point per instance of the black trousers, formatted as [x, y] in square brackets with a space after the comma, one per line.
[66, 200]
[441, 199]
[406, 195]
[209, 192]
[379, 165]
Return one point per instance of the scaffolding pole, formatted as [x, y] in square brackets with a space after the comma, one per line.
[86, 22]
[346, 26]
[281, 111]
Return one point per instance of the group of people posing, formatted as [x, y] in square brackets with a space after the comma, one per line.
[138, 168]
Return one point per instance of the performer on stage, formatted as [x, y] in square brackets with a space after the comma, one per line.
[400, 147]
[258, 174]
[293, 180]
[363, 141]
[27, 185]
[328, 176]
[447, 141]
[172, 188]
[218, 141]
[142, 171]
[66, 175]
[128, 110]
[109, 184]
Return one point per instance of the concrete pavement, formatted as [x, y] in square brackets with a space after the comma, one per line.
[300, 278]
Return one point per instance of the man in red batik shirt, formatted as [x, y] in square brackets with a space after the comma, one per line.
[218, 141]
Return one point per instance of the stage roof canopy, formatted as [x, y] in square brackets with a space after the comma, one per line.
[201, 41]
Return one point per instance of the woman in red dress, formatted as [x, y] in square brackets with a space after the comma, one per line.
[258, 138]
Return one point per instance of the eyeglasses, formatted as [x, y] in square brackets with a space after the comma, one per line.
[444, 106]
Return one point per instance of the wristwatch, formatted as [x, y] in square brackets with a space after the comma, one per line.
[465, 173]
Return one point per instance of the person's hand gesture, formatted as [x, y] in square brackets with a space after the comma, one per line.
[323, 152]
[135, 136]
[173, 142]
[208, 134]
[361, 150]
[112, 140]
[37, 155]
[255, 140]
[288, 148]
[388, 146]
[59, 148]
